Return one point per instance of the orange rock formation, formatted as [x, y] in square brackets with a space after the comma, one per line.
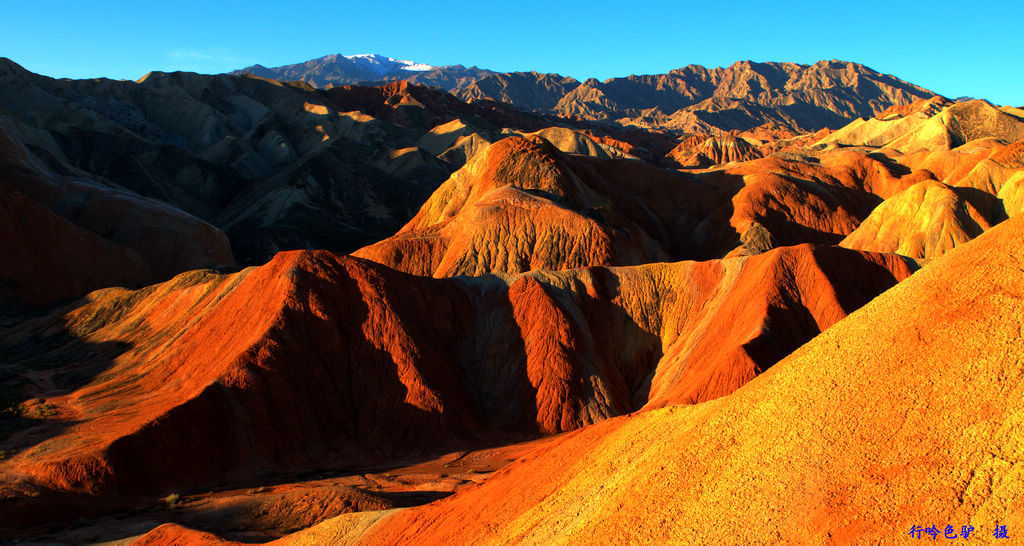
[317, 359]
[905, 413]
[520, 205]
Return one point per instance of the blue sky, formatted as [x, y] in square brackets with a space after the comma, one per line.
[955, 49]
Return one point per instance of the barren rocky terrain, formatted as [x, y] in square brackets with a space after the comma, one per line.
[241, 309]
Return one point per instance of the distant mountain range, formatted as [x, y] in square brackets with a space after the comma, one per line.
[692, 99]
[341, 69]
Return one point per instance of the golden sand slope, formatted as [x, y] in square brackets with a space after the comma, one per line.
[931, 125]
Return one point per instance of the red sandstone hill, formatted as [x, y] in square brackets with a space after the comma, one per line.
[903, 414]
[318, 360]
[907, 413]
[704, 151]
[521, 205]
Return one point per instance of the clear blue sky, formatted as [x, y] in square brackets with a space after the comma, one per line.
[953, 48]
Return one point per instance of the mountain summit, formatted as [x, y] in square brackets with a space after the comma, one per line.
[387, 64]
[341, 69]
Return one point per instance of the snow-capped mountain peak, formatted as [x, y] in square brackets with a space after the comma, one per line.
[382, 65]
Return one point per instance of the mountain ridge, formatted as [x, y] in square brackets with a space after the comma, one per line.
[826, 94]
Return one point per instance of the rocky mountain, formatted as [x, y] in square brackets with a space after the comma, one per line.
[273, 166]
[338, 70]
[692, 99]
